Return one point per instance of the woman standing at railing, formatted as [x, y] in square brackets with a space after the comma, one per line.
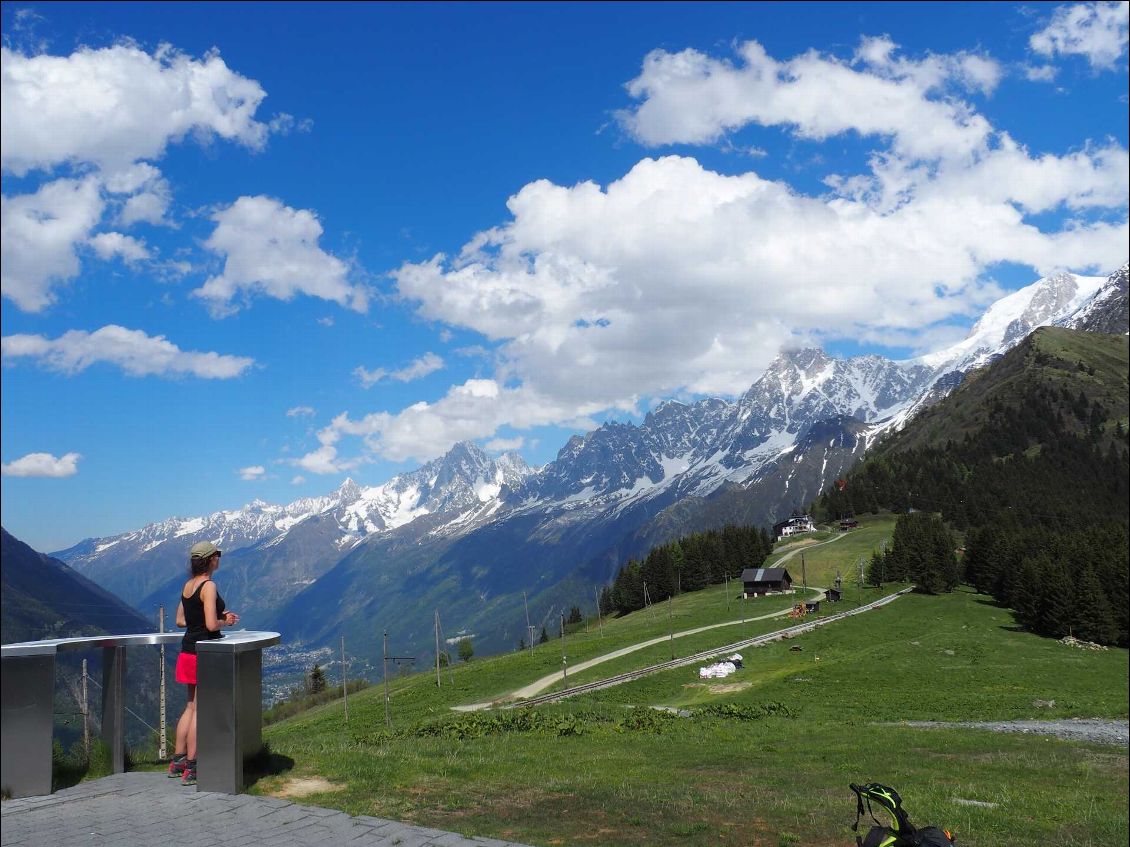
[202, 612]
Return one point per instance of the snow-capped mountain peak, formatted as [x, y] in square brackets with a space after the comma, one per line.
[1011, 318]
[1106, 310]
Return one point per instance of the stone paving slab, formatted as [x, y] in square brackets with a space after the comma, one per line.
[151, 810]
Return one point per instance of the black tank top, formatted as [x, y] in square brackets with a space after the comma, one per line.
[194, 618]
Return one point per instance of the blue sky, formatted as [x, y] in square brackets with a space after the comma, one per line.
[252, 249]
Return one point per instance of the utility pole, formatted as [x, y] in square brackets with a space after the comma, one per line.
[86, 713]
[437, 650]
[388, 717]
[647, 601]
[529, 628]
[599, 619]
[671, 624]
[727, 593]
[162, 743]
[386, 657]
[564, 660]
[803, 573]
[344, 680]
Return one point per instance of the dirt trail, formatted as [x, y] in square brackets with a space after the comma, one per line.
[539, 685]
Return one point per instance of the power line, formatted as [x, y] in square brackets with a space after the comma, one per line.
[128, 709]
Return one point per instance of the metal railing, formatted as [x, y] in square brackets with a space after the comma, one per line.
[229, 712]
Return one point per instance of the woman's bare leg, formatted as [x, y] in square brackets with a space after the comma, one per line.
[186, 726]
[191, 735]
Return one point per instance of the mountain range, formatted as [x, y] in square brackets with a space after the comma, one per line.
[44, 598]
[483, 538]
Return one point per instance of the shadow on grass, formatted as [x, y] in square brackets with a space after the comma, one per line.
[265, 763]
[71, 767]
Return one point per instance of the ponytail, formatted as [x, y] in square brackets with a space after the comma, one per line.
[198, 566]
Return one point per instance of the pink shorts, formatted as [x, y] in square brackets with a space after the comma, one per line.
[186, 668]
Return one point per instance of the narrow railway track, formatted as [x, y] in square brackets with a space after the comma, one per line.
[630, 676]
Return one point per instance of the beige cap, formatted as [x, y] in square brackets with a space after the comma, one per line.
[203, 550]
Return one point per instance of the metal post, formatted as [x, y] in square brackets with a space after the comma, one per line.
[344, 681]
[27, 695]
[529, 628]
[113, 706]
[388, 717]
[671, 624]
[85, 714]
[162, 741]
[437, 649]
[564, 661]
[229, 713]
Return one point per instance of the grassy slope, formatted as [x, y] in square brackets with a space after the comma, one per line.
[775, 781]
[1050, 357]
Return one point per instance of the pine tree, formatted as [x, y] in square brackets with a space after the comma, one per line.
[317, 682]
[1093, 618]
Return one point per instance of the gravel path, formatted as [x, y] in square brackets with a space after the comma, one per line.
[1095, 730]
[537, 686]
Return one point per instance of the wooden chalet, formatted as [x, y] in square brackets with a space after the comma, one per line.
[833, 595]
[760, 581]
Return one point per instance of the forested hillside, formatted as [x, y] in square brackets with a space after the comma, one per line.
[43, 598]
[1029, 460]
[689, 563]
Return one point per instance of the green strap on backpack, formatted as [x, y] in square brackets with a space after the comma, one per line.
[901, 832]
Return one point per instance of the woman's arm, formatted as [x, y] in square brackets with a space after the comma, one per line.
[212, 622]
[181, 622]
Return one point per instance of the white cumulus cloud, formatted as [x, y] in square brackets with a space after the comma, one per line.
[417, 369]
[43, 465]
[1096, 31]
[502, 445]
[110, 244]
[115, 106]
[135, 352]
[694, 98]
[676, 278]
[252, 473]
[272, 250]
[473, 410]
[39, 234]
[300, 412]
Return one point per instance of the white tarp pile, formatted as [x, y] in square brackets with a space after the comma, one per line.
[720, 670]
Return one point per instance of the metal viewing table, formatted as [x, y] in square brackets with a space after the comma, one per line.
[229, 712]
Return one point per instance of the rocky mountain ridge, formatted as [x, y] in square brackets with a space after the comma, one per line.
[466, 528]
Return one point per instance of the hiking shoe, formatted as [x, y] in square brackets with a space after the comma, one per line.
[189, 775]
[176, 767]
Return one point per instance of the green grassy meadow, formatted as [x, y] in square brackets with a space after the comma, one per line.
[766, 755]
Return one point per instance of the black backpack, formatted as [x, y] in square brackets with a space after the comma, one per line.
[902, 833]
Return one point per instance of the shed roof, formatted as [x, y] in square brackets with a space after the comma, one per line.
[765, 575]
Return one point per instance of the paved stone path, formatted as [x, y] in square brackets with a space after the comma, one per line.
[151, 810]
